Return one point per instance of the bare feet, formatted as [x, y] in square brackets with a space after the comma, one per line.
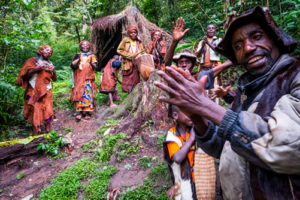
[78, 117]
[112, 105]
[87, 117]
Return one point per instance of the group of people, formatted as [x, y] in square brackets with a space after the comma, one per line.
[257, 140]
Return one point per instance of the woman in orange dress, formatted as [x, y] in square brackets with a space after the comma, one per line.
[83, 81]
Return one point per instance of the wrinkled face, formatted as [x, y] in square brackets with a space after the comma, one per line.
[46, 53]
[133, 34]
[211, 30]
[254, 49]
[157, 35]
[85, 47]
[185, 63]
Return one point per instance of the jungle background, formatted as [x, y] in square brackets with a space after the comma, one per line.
[27, 24]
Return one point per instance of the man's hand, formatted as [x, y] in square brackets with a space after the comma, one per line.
[204, 40]
[220, 91]
[189, 96]
[178, 30]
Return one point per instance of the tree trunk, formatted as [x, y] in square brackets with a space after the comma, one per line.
[142, 106]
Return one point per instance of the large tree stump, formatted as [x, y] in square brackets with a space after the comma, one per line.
[142, 105]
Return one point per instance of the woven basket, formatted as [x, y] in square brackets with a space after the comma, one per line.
[205, 176]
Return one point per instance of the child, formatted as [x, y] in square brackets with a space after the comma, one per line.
[179, 154]
[110, 78]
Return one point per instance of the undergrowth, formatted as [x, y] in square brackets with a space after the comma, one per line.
[97, 188]
[66, 185]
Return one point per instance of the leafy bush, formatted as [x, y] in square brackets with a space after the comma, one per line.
[11, 101]
[54, 142]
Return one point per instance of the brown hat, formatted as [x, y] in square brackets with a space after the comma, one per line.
[185, 53]
[261, 16]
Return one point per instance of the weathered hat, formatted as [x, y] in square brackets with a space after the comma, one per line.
[185, 53]
[261, 16]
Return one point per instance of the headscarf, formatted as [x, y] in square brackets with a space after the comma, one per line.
[43, 47]
[132, 27]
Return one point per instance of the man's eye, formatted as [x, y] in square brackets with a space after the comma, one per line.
[257, 36]
[237, 46]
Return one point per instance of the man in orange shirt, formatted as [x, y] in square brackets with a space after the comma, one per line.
[179, 149]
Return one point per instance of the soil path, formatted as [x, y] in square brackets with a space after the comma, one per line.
[40, 169]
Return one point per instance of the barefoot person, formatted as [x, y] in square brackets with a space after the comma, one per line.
[158, 49]
[129, 48]
[257, 140]
[83, 81]
[109, 79]
[36, 78]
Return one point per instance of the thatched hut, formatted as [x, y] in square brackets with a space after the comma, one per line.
[107, 33]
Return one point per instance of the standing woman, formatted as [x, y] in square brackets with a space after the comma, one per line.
[158, 49]
[36, 77]
[83, 81]
[129, 48]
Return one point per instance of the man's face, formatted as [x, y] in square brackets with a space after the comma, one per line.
[211, 30]
[185, 63]
[85, 47]
[46, 53]
[133, 34]
[254, 49]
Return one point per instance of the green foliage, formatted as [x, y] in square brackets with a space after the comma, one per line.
[184, 46]
[65, 186]
[108, 147]
[67, 130]
[54, 142]
[11, 101]
[87, 146]
[97, 188]
[146, 162]
[127, 149]
[20, 176]
[61, 94]
[160, 140]
[109, 123]
[147, 124]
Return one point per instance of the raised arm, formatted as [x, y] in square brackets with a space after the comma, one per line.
[178, 34]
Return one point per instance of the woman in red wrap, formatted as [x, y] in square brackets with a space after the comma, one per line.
[36, 77]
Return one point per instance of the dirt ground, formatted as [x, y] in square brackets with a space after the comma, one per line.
[40, 169]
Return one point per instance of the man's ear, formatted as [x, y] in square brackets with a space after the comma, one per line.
[175, 115]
